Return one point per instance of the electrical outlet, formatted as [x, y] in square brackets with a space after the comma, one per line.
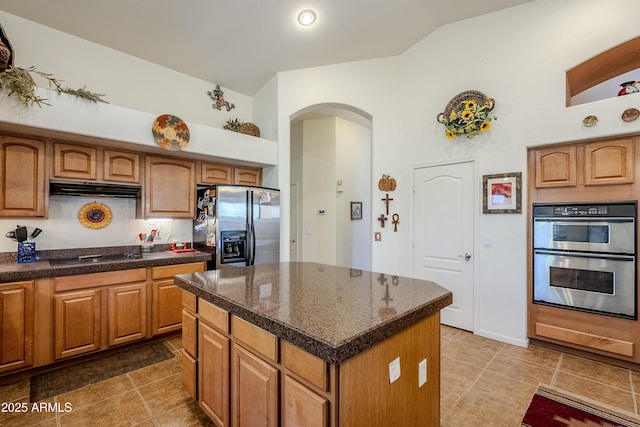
[394, 370]
[422, 373]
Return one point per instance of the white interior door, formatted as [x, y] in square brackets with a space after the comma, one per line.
[444, 207]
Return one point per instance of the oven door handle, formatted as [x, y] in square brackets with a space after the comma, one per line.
[569, 221]
[585, 255]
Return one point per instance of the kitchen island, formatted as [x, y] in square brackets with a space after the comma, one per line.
[310, 344]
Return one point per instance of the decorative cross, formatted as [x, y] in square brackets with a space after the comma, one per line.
[386, 201]
[395, 221]
[382, 279]
[382, 219]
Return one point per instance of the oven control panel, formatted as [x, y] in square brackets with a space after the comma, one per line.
[622, 209]
[581, 210]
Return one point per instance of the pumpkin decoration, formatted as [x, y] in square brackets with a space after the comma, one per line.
[387, 183]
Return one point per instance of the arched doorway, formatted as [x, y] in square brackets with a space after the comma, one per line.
[330, 169]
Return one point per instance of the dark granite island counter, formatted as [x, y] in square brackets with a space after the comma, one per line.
[312, 344]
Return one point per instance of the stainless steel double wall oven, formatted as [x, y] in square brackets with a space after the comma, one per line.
[584, 257]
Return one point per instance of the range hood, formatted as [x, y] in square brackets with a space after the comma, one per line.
[93, 189]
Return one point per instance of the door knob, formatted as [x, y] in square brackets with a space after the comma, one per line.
[467, 256]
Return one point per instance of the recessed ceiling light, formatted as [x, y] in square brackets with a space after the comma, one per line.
[307, 17]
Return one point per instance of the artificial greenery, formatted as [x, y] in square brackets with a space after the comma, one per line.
[469, 119]
[19, 82]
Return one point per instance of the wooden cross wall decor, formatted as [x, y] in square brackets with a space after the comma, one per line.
[386, 201]
[382, 219]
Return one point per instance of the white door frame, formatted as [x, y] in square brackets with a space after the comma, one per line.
[476, 221]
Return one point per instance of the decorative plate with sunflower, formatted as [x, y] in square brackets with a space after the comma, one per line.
[95, 215]
[468, 113]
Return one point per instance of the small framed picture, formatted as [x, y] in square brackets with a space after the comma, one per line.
[502, 193]
[356, 210]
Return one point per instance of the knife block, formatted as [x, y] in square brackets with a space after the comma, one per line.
[26, 252]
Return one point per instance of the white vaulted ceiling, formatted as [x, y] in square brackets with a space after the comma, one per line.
[241, 44]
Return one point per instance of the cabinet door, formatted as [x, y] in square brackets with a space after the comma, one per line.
[74, 161]
[254, 390]
[609, 162]
[556, 167]
[215, 174]
[167, 307]
[127, 313]
[78, 321]
[247, 176]
[303, 407]
[22, 178]
[213, 375]
[119, 166]
[169, 188]
[16, 325]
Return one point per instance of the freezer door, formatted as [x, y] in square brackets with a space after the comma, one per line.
[265, 227]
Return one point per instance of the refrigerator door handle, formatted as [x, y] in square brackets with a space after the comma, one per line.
[253, 244]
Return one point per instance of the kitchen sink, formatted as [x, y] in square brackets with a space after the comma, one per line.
[94, 259]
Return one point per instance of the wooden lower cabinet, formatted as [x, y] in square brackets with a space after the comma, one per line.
[213, 374]
[255, 389]
[167, 297]
[78, 322]
[241, 382]
[92, 312]
[303, 407]
[16, 329]
[126, 313]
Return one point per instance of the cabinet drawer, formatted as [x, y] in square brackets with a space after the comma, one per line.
[189, 301]
[611, 345]
[258, 339]
[189, 333]
[302, 407]
[189, 374]
[215, 316]
[308, 366]
[93, 280]
[172, 270]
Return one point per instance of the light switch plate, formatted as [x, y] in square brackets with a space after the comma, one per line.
[422, 373]
[394, 370]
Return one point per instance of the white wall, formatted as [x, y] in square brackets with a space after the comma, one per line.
[125, 80]
[518, 56]
[63, 229]
[324, 150]
[353, 167]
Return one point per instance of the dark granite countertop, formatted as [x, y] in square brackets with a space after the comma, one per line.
[113, 258]
[331, 312]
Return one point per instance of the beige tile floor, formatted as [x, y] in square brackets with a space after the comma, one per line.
[484, 383]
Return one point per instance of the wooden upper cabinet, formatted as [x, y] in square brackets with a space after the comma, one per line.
[120, 166]
[211, 173]
[169, 188]
[609, 162]
[23, 178]
[75, 161]
[556, 167]
[247, 176]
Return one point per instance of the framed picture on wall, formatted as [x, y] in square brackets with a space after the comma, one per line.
[502, 193]
[356, 210]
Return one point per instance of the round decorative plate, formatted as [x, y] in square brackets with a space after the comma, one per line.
[95, 215]
[170, 132]
[630, 114]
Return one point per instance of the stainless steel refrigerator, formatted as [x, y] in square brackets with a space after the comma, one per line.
[239, 224]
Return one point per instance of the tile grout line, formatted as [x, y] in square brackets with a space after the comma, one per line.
[482, 371]
[633, 392]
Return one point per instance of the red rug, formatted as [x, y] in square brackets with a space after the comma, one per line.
[552, 407]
